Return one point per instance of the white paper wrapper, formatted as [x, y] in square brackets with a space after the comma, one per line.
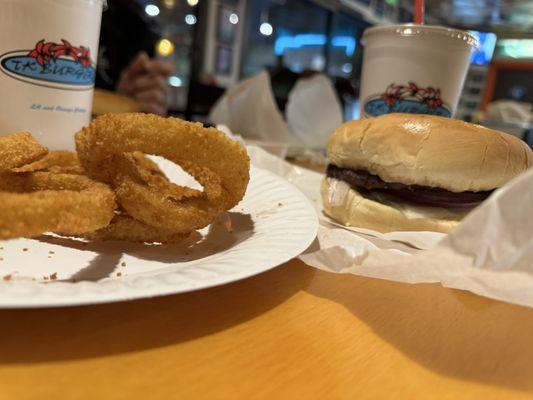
[490, 253]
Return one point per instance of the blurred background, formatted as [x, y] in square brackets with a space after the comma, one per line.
[213, 44]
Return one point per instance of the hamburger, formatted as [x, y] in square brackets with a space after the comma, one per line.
[416, 172]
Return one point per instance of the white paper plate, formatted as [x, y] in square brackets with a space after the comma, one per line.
[273, 223]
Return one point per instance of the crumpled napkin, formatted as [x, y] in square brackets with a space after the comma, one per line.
[250, 110]
[313, 110]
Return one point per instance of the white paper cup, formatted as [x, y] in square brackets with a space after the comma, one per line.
[48, 52]
[416, 69]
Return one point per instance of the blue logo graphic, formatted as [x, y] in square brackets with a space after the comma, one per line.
[379, 107]
[54, 65]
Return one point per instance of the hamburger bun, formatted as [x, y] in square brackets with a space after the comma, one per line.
[431, 151]
[351, 208]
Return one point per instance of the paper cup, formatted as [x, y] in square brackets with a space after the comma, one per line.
[415, 69]
[47, 67]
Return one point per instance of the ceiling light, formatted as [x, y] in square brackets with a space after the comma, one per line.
[165, 47]
[175, 81]
[266, 29]
[233, 18]
[190, 19]
[152, 10]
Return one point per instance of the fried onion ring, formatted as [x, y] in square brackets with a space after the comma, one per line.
[107, 147]
[159, 207]
[150, 173]
[41, 202]
[19, 149]
[124, 227]
[61, 162]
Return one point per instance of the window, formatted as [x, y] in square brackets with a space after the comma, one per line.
[288, 33]
[345, 32]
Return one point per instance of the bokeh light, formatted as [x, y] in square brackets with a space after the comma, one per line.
[190, 19]
[165, 47]
[169, 3]
[152, 10]
[266, 29]
[175, 81]
[234, 18]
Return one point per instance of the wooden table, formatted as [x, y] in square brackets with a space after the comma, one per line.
[290, 333]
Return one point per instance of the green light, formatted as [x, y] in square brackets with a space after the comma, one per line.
[515, 48]
[391, 2]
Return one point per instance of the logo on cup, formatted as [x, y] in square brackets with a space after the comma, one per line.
[54, 65]
[408, 98]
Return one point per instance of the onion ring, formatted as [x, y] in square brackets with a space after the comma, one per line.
[124, 227]
[41, 202]
[61, 162]
[19, 149]
[218, 163]
[150, 173]
[158, 207]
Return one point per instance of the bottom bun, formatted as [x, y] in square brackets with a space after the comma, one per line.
[351, 208]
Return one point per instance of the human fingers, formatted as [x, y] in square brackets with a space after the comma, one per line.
[149, 82]
[127, 77]
[139, 65]
[160, 67]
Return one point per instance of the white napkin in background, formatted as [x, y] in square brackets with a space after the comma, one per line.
[313, 110]
[250, 110]
[490, 253]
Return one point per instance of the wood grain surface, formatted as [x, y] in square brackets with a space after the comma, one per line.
[290, 333]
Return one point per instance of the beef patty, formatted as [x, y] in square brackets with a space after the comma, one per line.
[362, 180]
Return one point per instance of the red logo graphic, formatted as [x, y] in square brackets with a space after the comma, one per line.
[429, 95]
[44, 52]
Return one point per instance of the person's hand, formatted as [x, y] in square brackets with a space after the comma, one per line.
[146, 80]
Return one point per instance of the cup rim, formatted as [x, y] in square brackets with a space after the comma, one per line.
[413, 30]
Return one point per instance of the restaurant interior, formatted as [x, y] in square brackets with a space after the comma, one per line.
[266, 199]
[212, 45]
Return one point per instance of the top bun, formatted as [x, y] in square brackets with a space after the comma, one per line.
[432, 151]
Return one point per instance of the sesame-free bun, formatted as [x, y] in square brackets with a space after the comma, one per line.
[430, 151]
[351, 208]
